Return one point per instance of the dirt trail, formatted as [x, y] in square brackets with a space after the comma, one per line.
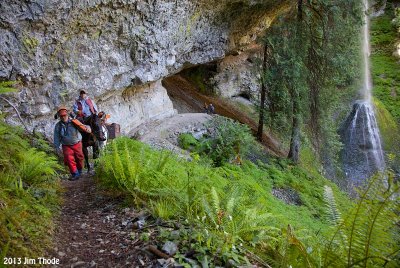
[94, 231]
[93, 228]
[179, 87]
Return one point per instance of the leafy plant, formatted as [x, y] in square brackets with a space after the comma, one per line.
[187, 141]
[226, 213]
[228, 141]
[7, 86]
[368, 234]
[28, 195]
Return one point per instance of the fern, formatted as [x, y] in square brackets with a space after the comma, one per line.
[164, 156]
[333, 212]
[370, 228]
[28, 194]
[234, 221]
[295, 253]
[36, 167]
[7, 87]
[334, 217]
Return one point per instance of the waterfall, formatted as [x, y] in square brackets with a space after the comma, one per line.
[362, 155]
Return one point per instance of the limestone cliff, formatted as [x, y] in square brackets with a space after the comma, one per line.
[118, 50]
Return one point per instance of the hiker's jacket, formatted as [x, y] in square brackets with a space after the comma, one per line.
[84, 106]
[66, 134]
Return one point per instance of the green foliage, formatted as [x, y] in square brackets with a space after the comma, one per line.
[225, 211]
[7, 86]
[389, 129]
[386, 79]
[188, 142]
[293, 252]
[228, 140]
[285, 73]
[233, 222]
[385, 67]
[396, 20]
[200, 76]
[28, 195]
[313, 61]
[367, 236]
[30, 43]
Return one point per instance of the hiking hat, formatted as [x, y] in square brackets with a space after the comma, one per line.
[62, 110]
[82, 92]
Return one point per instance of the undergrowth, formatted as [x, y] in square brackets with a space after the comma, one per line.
[28, 193]
[385, 67]
[228, 211]
[225, 141]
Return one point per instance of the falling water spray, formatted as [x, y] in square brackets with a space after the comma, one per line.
[362, 153]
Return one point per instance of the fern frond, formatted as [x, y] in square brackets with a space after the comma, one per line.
[7, 86]
[209, 212]
[230, 206]
[215, 200]
[164, 157]
[332, 211]
[370, 227]
[334, 247]
[353, 225]
[382, 210]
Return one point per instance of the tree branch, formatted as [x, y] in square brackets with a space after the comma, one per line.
[16, 110]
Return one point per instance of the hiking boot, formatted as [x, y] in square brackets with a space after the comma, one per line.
[74, 176]
[80, 172]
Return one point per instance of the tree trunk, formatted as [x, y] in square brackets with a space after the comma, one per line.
[263, 94]
[294, 150]
[295, 137]
[299, 10]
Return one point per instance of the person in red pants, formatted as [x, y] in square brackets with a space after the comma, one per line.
[68, 136]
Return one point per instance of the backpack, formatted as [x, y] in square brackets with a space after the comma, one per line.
[81, 127]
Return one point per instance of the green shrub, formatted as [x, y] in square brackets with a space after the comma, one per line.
[228, 141]
[188, 142]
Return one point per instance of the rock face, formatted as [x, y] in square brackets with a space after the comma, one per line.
[137, 105]
[113, 48]
[238, 75]
[362, 153]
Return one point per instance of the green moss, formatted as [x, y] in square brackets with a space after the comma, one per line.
[389, 130]
[385, 67]
[309, 160]
[96, 34]
[30, 43]
[192, 19]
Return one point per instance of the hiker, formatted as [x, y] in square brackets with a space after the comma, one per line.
[205, 108]
[84, 106]
[211, 109]
[67, 135]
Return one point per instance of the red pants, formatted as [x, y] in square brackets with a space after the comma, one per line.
[73, 156]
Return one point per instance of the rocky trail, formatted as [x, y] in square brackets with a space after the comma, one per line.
[94, 230]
